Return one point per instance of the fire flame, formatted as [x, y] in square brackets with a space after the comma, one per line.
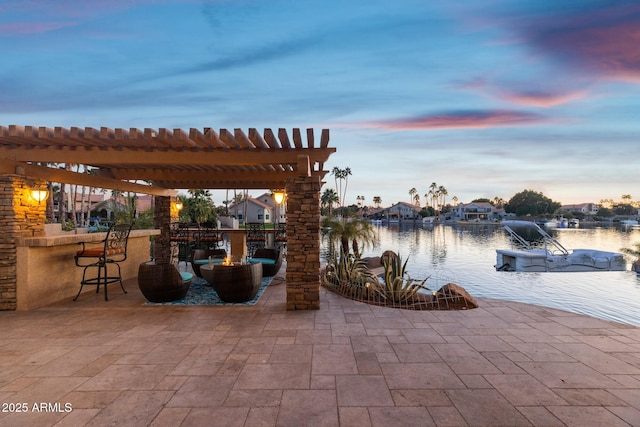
[227, 261]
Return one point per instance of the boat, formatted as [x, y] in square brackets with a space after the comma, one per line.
[629, 222]
[548, 223]
[559, 222]
[574, 223]
[549, 255]
[428, 220]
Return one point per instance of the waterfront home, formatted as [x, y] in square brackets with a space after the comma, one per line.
[583, 208]
[402, 211]
[477, 211]
[252, 210]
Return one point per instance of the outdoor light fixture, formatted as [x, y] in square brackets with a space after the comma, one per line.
[278, 195]
[178, 206]
[39, 194]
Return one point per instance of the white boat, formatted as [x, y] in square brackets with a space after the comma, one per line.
[574, 223]
[550, 223]
[550, 256]
[629, 222]
[428, 220]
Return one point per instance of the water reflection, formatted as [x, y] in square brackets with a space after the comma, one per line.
[465, 254]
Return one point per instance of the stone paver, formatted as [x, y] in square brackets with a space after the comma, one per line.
[93, 362]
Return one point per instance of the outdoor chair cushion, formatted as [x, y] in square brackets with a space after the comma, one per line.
[98, 252]
[205, 261]
[185, 276]
[266, 261]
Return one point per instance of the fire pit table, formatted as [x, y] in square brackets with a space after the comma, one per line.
[235, 282]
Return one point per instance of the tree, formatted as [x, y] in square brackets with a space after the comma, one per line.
[341, 175]
[377, 200]
[354, 231]
[432, 194]
[498, 202]
[412, 194]
[329, 198]
[442, 195]
[529, 202]
[624, 209]
[199, 207]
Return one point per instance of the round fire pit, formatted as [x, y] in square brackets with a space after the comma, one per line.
[234, 283]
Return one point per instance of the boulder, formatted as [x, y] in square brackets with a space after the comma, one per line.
[371, 262]
[455, 296]
[388, 256]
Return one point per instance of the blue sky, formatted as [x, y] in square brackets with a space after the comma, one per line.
[486, 98]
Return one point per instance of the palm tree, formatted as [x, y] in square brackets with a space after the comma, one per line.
[354, 231]
[432, 194]
[360, 199]
[412, 194]
[200, 205]
[342, 175]
[377, 200]
[329, 198]
[442, 194]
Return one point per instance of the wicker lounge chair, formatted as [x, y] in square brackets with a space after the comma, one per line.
[162, 282]
[201, 257]
[271, 260]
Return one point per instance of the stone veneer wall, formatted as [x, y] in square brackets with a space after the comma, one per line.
[303, 243]
[20, 216]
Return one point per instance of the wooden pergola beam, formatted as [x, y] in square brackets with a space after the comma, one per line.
[148, 174]
[61, 175]
[128, 156]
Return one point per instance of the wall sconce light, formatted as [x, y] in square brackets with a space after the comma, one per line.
[177, 206]
[278, 195]
[39, 194]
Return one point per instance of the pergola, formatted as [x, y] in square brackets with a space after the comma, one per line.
[167, 160]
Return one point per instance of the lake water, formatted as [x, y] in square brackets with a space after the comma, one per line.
[465, 254]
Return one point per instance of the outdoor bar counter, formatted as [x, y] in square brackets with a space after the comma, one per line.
[47, 273]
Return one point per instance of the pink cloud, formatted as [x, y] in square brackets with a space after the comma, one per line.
[22, 28]
[604, 42]
[463, 120]
[475, 83]
[541, 99]
[75, 8]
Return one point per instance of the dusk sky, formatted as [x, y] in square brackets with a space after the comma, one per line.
[486, 98]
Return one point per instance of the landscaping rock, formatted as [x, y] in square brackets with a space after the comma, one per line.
[456, 296]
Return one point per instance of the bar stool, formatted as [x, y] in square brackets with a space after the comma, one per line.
[112, 252]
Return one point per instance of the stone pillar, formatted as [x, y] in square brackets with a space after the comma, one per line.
[163, 216]
[303, 243]
[20, 216]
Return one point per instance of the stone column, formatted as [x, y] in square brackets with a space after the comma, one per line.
[20, 216]
[303, 243]
[163, 216]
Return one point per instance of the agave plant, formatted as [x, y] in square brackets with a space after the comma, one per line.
[347, 275]
[398, 286]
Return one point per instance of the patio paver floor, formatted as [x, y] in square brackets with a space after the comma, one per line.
[351, 364]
